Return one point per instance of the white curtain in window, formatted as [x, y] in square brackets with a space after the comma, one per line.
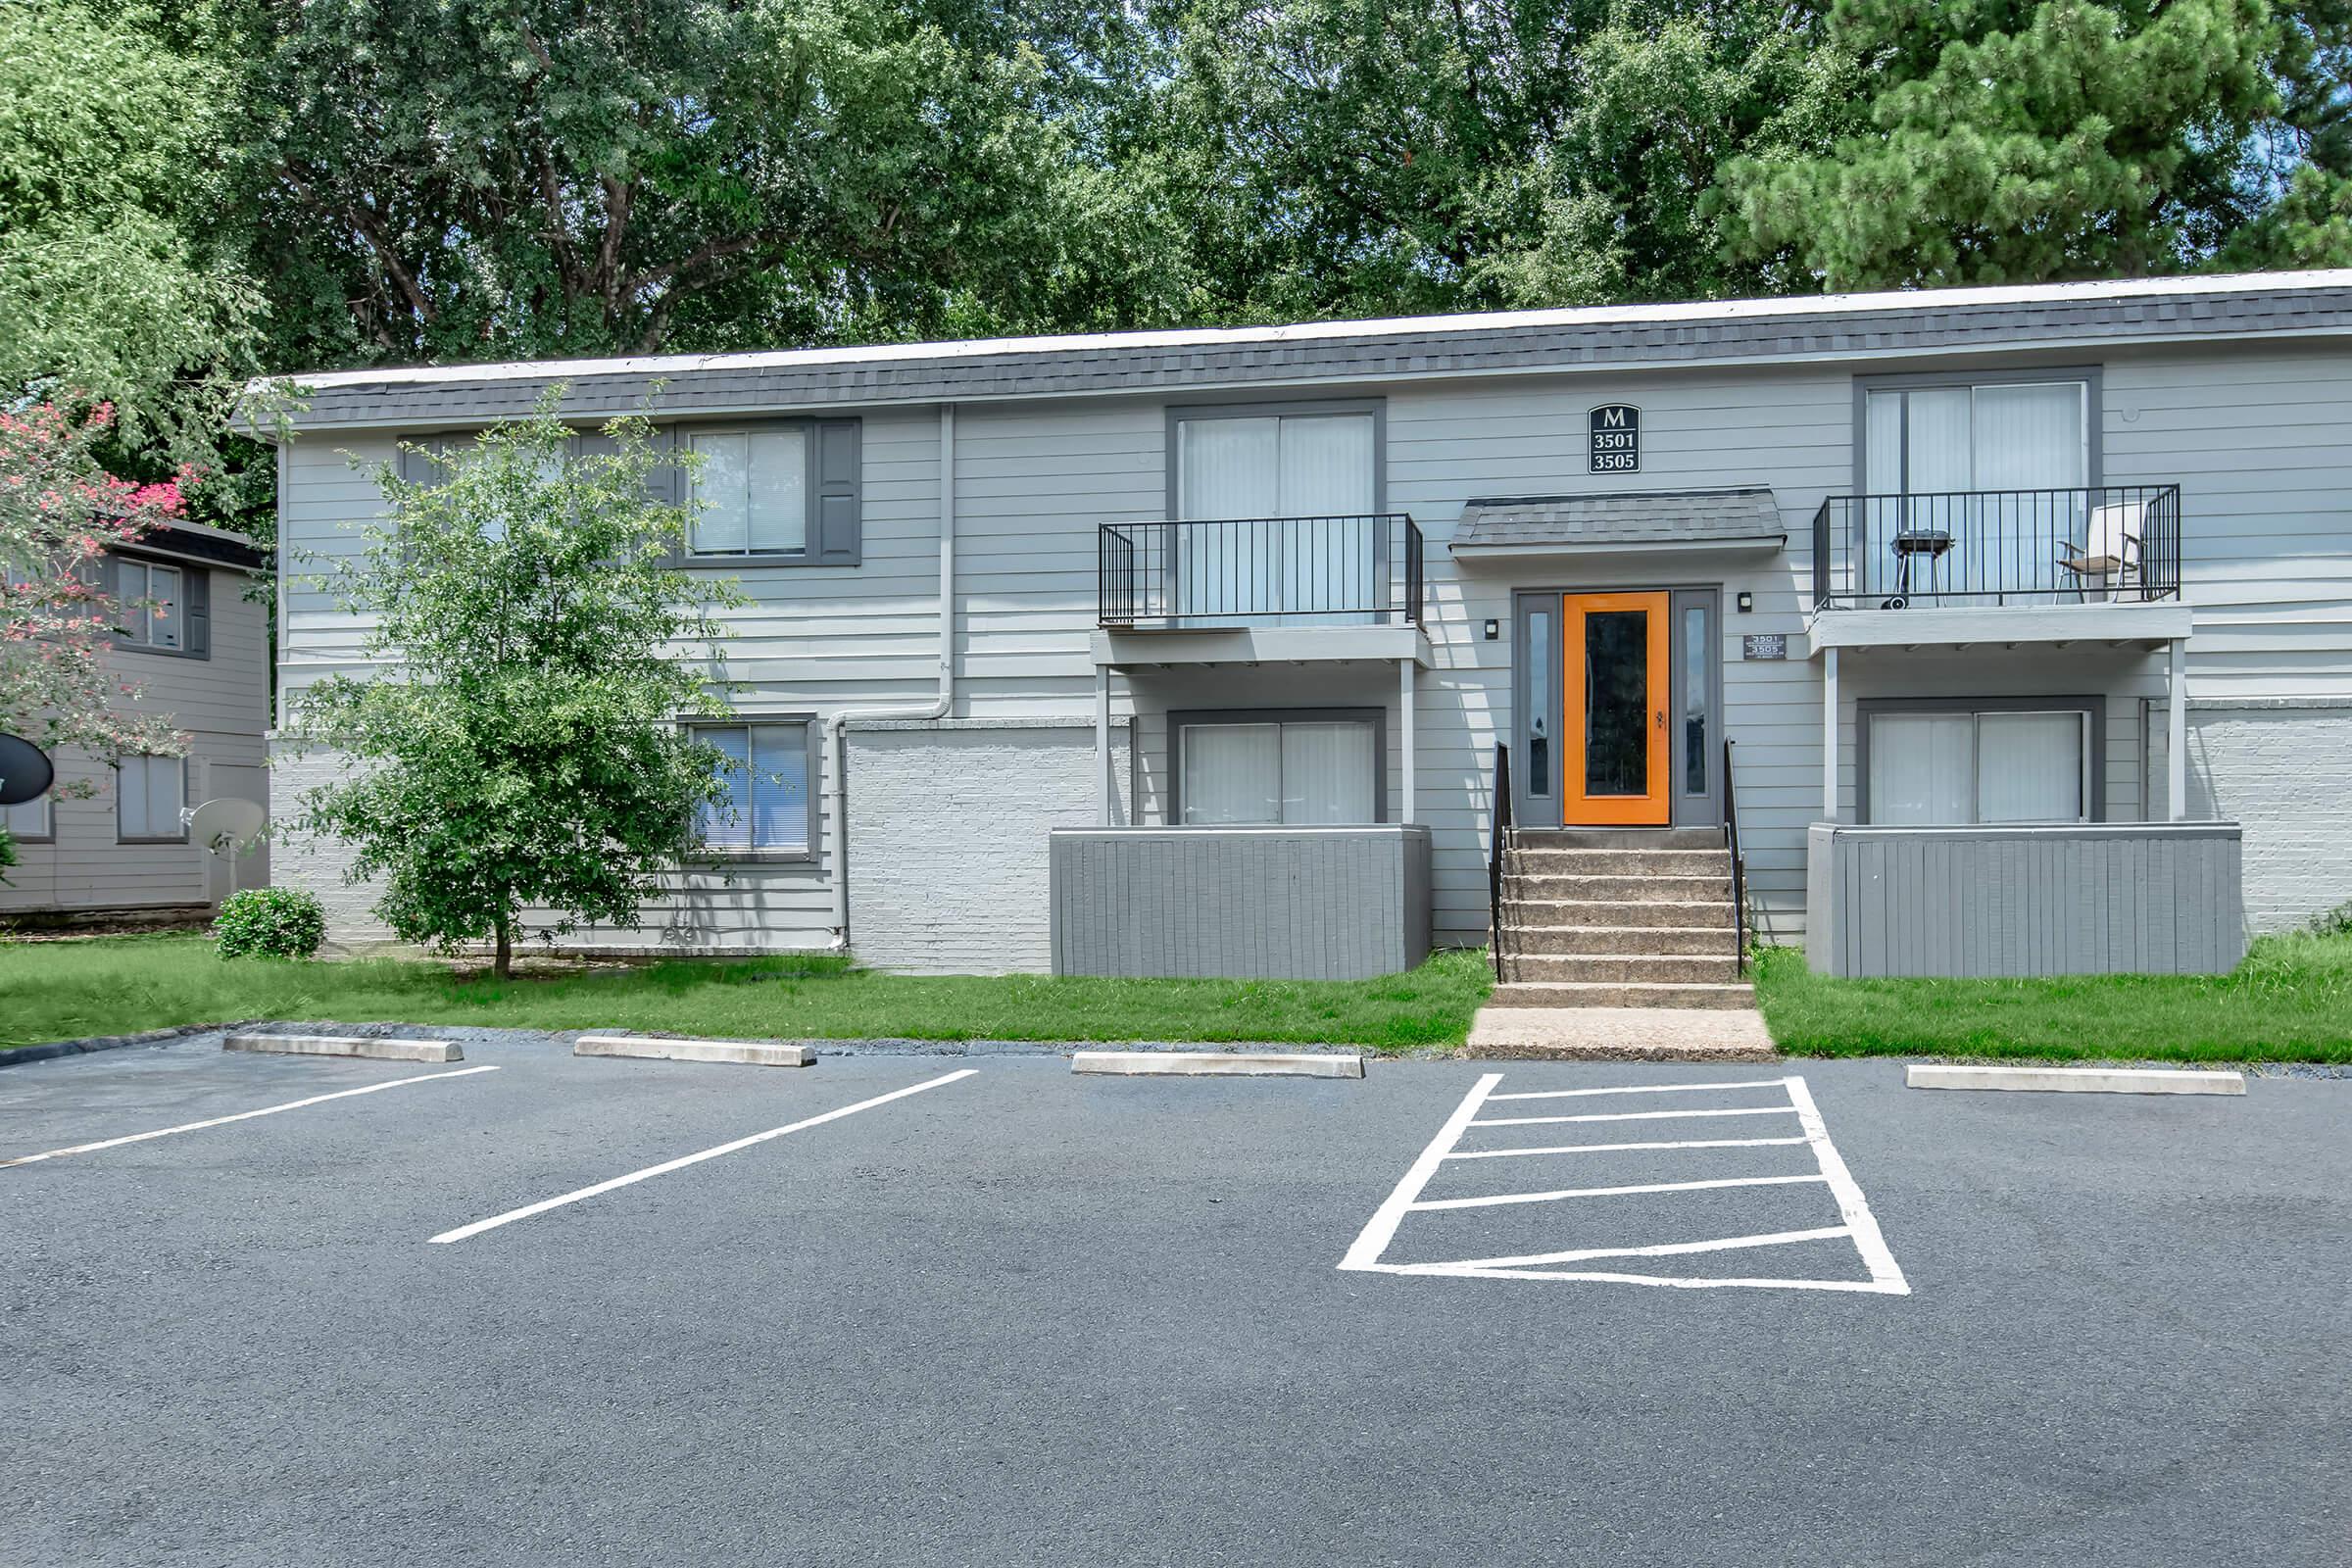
[27, 819]
[729, 826]
[1937, 445]
[780, 786]
[776, 491]
[1327, 473]
[1327, 772]
[1232, 774]
[1229, 468]
[2029, 437]
[1882, 447]
[151, 797]
[1327, 466]
[721, 524]
[1921, 769]
[2030, 768]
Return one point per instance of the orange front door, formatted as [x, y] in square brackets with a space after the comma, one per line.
[1614, 751]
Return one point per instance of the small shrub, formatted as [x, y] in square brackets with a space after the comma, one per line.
[269, 923]
[2336, 922]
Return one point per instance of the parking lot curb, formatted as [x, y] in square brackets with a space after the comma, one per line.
[2080, 1080]
[50, 1050]
[1218, 1063]
[374, 1048]
[748, 1052]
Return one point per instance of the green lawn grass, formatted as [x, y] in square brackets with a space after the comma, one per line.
[72, 990]
[2290, 1001]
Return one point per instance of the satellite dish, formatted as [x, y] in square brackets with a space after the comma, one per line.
[25, 774]
[236, 821]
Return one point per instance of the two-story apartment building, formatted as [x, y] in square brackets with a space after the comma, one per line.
[2046, 568]
[195, 643]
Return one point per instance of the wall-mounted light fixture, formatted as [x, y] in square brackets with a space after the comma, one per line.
[1747, 601]
[1493, 630]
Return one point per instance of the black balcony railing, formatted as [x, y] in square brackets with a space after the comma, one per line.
[1253, 571]
[2091, 545]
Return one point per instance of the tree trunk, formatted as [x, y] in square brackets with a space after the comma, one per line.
[504, 963]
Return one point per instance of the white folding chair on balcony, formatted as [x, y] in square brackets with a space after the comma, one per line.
[2106, 562]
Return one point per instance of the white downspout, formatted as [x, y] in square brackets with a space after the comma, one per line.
[837, 747]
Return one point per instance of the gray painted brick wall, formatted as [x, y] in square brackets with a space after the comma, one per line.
[947, 837]
[2283, 769]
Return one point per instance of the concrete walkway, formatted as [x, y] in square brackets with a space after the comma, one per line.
[1621, 1034]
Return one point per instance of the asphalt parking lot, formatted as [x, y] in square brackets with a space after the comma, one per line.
[1002, 1314]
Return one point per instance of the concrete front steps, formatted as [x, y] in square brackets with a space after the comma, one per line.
[1619, 918]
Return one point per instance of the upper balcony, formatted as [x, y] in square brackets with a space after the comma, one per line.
[1342, 587]
[1992, 566]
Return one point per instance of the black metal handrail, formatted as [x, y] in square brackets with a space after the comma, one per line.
[1730, 842]
[2088, 544]
[1497, 844]
[1243, 571]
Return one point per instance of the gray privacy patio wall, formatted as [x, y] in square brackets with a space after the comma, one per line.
[1274, 904]
[2149, 898]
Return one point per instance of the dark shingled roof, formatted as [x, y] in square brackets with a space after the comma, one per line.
[1753, 331]
[1663, 517]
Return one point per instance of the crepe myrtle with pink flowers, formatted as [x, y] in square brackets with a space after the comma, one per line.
[60, 513]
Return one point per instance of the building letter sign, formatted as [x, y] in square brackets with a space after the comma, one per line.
[1616, 429]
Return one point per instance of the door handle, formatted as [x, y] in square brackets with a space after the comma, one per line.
[1661, 718]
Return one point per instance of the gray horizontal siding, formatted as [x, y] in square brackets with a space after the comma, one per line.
[2147, 897]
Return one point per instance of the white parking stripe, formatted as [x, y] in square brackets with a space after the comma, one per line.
[1611, 1149]
[1662, 1250]
[1641, 1089]
[1883, 1271]
[684, 1160]
[1501, 1199]
[1381, 1228]
[1634, 1115]
[242, 1116]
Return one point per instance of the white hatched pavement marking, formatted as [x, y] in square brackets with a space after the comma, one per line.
[1857, 1223]
[244, 1115]
[1612, 1148]
[1637, 1115]
[696, 1158]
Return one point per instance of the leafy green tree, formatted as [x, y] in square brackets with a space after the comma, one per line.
[112, 280]
[1371, 157]
[2025, 140]
[484, 178]
[519, 744]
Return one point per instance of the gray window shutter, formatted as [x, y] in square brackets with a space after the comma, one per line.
[196, 611]
[836, 540]
[423, 467]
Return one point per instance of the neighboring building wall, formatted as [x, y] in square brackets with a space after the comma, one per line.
[949, 868]
[222, 702]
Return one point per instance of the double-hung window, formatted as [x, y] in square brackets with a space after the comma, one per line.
[1957, 766]
[149, 792]
[1275, 514]
[752, 494]
[27, 822]
[1975, 487]
[148, 601]
[1291, 768]
[770, 805]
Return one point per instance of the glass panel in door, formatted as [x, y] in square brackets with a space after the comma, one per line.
[1616, 764]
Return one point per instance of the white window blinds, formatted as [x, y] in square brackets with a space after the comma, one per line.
[1293, 773]
[752, 496]
[1945, 769]
[767, 793]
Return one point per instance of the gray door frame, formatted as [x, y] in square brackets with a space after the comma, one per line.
[1702, 809]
